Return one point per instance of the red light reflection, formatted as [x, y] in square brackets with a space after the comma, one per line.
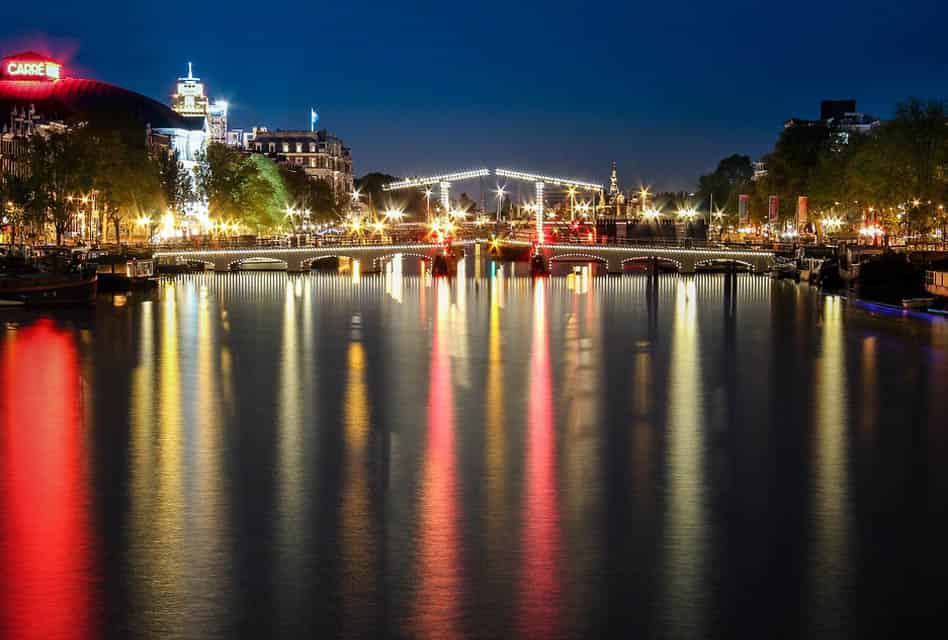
[44, 532]
[539, 580]
[437, 607]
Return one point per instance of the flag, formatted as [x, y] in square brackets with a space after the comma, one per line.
[313, 119]
[773, 209]
[802, 211]
[743, 204]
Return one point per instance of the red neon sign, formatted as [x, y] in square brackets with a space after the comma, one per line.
[32, 69]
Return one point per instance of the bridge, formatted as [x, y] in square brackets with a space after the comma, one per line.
[370, 256]
[683, 257]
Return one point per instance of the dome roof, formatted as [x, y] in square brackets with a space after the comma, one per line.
[91, 100]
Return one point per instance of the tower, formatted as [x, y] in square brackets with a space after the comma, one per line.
[613, 184]
[189, 98]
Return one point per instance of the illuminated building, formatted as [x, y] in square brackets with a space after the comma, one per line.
[239, 138]
[321, 156]
[36, 95]
[840, 118]
[191, 101]
[217, 121]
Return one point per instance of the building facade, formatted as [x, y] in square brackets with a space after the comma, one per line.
[321, 156]
[190, 99]
[841, 118]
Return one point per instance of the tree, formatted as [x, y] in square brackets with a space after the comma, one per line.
[732, 177]
[793, 165]
[127, 180]
[177, 184]
[16, 195]
[412, 201]
[310, 194]
[249, 190]
[60, 169]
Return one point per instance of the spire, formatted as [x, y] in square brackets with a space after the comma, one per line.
[613, 181]
[190, 76]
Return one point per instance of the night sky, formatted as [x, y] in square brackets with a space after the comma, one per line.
[664, 88]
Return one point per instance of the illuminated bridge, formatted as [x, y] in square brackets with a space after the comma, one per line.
[614, 257]
[370, 256]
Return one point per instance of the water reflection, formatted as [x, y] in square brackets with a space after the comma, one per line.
[829, 556]
[437, 603]
[359, 553]
[302, 452]
[156, 517]
[686, 518]
[45, 542]
[540, 519]
[495, 435]
[291, 505]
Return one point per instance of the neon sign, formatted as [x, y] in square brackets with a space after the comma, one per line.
[32, 70]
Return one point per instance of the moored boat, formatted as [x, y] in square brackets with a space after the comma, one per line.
[917, 303]
[27, 285]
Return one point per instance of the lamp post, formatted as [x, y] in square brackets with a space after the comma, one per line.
[500, 200]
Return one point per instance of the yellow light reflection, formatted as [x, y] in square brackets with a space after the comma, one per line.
[830, 496]
[686, 512]
[356, 528]
[495, 440]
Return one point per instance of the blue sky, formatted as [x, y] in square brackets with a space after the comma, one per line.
[664, 88]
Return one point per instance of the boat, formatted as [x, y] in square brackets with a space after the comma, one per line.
[122, 272]
[852, 259]
[917, 303]
[260, 264]
[828, 275]
[45, 283]
[177, 264]
[936, 279]
[785, 269]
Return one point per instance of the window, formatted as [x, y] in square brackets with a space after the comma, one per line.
[286, 147]
[312, 162]
[312, 147]
[259, 146]
[273, 147]
[299, 147]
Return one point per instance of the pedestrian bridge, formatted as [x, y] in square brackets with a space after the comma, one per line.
[615, 256]
[370, 256]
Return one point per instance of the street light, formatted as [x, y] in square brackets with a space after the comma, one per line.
[394, 215]
[428, 193]
[500, 191]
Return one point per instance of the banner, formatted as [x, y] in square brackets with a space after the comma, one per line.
[802, 211]
[773, 209]
[743, 213]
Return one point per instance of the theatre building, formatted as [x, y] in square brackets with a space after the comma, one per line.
[320, 155]
[37, 95]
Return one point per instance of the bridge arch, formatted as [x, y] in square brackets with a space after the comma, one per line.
[577, 257]
[306, 264]
[242, 259]
[664, 260]
[711, 262]
[379, 261]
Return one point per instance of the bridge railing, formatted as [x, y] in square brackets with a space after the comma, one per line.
[282, 243]
[660, 243]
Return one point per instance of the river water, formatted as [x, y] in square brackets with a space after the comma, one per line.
[273, 455]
